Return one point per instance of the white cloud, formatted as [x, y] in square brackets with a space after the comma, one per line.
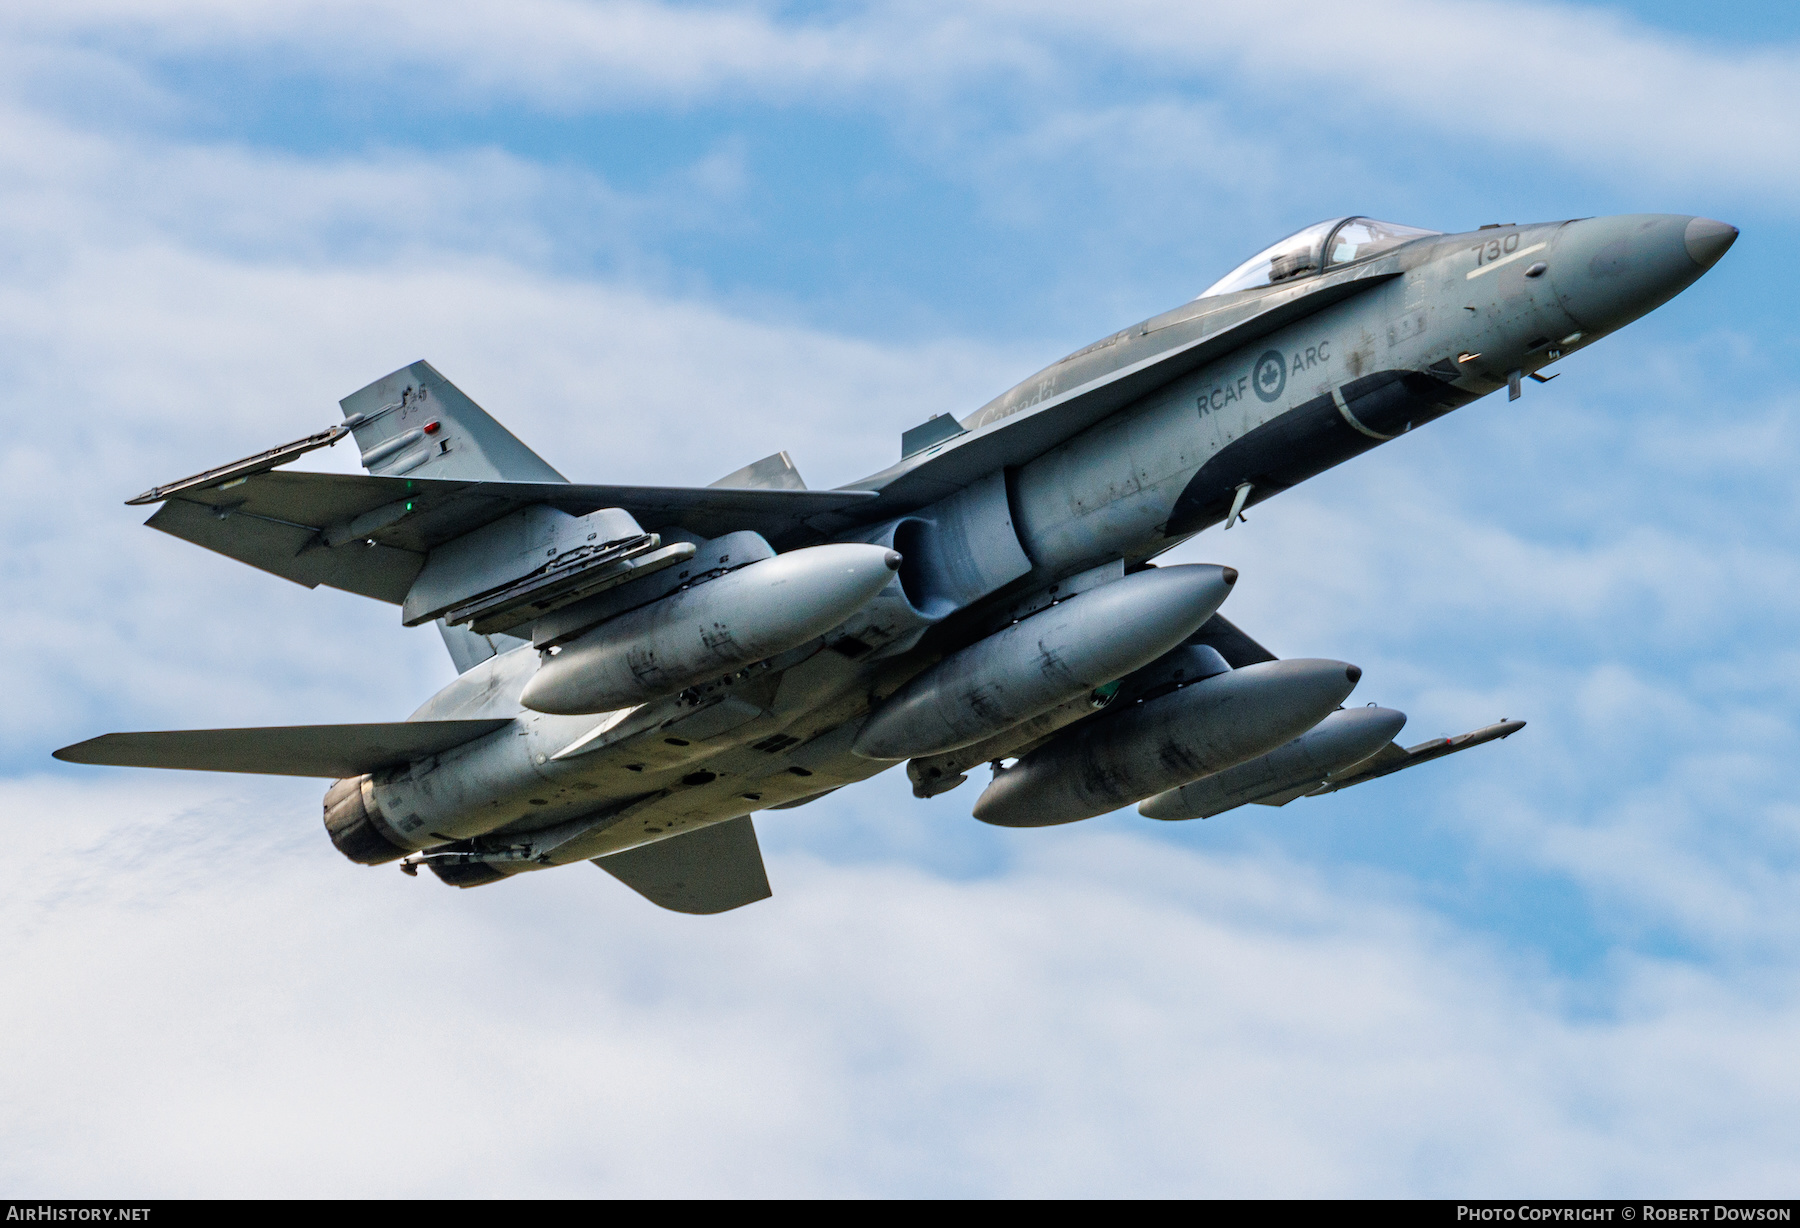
[1592, 86]
[1597, 90]
[206, 996]
[559, 53]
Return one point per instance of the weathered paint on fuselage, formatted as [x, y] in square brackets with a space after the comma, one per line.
[1456, 316]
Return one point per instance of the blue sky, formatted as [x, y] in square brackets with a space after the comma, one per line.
[661, 240]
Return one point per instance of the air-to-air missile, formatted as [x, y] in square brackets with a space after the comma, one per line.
[642, 668]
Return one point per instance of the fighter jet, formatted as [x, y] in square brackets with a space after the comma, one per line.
[641, 669]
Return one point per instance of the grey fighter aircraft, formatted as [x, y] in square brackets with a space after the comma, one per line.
[643, 668]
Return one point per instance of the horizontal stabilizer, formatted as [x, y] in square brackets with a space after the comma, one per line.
[712, 870]
[775, 472]
[1392, 758]
[330, 751]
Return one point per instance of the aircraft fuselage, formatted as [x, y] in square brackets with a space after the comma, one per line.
[1345, 360]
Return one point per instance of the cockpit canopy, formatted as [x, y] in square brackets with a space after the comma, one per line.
[1320, 246]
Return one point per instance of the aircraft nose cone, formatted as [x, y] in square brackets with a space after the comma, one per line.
[1707, 240]
[1608, 271]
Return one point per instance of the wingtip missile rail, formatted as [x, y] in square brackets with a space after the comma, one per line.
[261, 462]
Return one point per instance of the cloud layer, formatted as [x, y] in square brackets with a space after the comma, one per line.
[1590, 86]
[215, 1005]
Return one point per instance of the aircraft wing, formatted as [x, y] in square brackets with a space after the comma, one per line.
[1240, 650]
[714, 869]
[1393, 758]
[286, 523]
[329, 751]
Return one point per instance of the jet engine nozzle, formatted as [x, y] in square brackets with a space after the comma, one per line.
[1343, 739]
[1056, 655]
[356, 825]
[696, 634]
[1608, 271]
[1165, 742]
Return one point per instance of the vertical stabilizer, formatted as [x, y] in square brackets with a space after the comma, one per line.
[467, 649]
[417, 422]
[775, 472]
